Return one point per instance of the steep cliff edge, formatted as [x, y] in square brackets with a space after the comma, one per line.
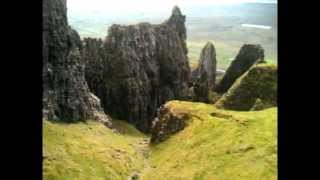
[139, 67]
[66, 95]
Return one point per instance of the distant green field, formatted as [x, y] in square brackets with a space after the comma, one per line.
[228, 36]
[225, 53]
[220, 25]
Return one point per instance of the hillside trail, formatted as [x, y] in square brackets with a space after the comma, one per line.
[142, 147]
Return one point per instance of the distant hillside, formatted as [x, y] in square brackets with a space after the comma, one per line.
[219, 24]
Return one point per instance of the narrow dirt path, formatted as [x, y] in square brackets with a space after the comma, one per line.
[142, 147]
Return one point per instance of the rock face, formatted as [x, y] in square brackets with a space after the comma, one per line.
[248, 55]
[167, 123]
[177, 22]
[255, 90]
[139, 67]
[66, 95]
[205, 73]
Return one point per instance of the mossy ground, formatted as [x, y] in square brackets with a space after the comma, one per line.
[85, 151]
[260, 81]
[218, 144]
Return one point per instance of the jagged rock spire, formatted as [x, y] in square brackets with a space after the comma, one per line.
[248, 55]
[177, 22]
[206, 72]
[208, 63]
[138, 68]
[176, 11]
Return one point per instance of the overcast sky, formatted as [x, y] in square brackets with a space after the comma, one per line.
[127, 6]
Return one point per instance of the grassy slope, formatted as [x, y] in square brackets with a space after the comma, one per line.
[89, 151]
[235, 146]
[260, 81]
[232, 145]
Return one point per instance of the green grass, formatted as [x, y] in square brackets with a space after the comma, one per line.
[260, 81]
[85, 151]
[217, 144]
[230, 145]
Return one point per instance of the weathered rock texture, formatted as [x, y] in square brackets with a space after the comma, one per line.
[167, 123]
[205, 73]
[139, 67]
[248, 55]
[66, 95]
[258, 105]
[255, 90]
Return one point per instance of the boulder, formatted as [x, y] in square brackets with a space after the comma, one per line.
[167, 123]
[248, 55]
[258, 105]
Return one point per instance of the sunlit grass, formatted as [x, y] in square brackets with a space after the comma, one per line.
[85, 151]
[218, 144]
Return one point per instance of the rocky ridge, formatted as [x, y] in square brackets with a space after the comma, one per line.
[255, 90]
[248, 55]
[66, 95]
[139, 67]
[205, 73]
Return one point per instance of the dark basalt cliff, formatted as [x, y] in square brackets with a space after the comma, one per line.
[66, 95]
[139, 67]
[248, 55]
[205, 74]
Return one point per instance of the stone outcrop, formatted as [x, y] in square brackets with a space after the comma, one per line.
[248, 55]
[258, 105]
[167, 123]
[66, 95]
[177, 22]
[205, 73]
[139, 67]
[255, 90]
